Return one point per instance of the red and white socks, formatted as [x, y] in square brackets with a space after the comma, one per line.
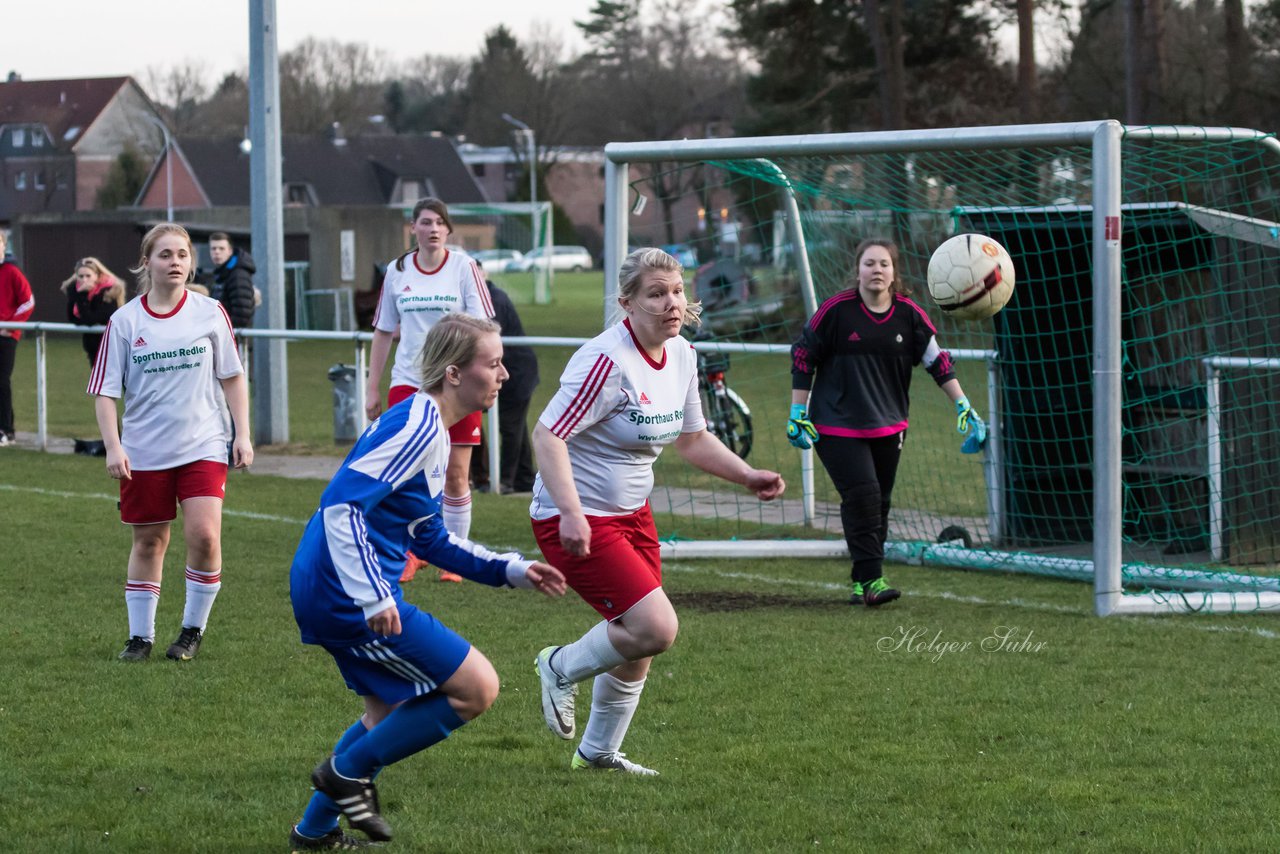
[202, 589]
[457, 515]
[141, 599]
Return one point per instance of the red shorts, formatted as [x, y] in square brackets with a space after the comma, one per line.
[465, 432]
[152, 497]
[624, 565]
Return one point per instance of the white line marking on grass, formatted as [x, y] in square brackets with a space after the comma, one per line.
[1267, 634]
[102, 496]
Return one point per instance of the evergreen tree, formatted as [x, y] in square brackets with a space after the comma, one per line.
[124, 180]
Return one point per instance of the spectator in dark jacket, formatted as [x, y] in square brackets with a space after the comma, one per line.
[516, 461]
[93, 294]
[232, 281]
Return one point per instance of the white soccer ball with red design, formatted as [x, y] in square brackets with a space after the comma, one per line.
[971, 276]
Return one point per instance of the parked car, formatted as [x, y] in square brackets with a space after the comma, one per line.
[575, 258]
[683, 253]
[498, 260]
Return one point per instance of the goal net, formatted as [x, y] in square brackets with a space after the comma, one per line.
[519, 226]
[1132, 384]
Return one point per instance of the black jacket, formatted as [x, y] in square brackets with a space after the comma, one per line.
[520, 362]
[232, 285]
[84, 310]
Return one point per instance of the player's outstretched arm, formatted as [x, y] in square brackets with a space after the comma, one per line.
[545, 578]
[709, 454]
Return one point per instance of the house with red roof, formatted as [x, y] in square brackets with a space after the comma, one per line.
[59, 139]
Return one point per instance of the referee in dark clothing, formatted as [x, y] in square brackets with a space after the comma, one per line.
[516, 463]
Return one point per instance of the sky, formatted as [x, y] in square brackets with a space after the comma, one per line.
[108, 38]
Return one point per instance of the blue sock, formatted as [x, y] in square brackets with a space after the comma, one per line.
[321, 815]
[416, 725]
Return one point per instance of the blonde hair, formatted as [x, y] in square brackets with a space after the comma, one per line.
[114, 293]
[651, 260]
[148, 246]
[452, 341]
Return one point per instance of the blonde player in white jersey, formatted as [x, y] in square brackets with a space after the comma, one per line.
[623, 397]
[166, 352]
[421, 287]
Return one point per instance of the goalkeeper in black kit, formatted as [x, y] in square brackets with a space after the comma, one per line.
[850, 378]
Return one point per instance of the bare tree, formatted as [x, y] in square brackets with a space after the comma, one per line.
[179, 90]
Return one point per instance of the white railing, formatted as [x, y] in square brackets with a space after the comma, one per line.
[1213, 398]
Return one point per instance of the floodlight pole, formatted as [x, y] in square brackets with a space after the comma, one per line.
[270, 377]
[531, 142]
[168, 165]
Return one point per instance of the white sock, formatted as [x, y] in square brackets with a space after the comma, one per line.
[613, 704]
[141, 598]
[590, 655]
[457, 515]
[202, 589]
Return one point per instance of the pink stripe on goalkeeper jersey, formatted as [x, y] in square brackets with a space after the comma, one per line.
[131, 586]
[920, 311]
[843, 296]
[483, 288]
[850, 433]
[98, 374]
[213, 576]
[586, 396]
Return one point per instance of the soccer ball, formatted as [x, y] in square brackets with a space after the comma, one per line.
[971, 276]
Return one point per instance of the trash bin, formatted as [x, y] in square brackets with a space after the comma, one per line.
[346, 417]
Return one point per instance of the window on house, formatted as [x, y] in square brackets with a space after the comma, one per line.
[20, 181]
[60, 179]
[19, 137]
[297, 194]
[410, 192]
[477, 169]
[37, 138]
[38, 177]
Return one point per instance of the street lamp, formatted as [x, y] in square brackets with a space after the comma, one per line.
[168, 165]
[533, 171]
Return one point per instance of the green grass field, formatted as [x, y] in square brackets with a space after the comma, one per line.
[782, 720]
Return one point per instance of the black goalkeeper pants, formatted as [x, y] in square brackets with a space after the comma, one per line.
[863, 471]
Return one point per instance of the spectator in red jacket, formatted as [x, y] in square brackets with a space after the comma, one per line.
[16, 304]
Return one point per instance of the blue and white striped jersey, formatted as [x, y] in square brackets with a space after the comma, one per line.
[385, 498]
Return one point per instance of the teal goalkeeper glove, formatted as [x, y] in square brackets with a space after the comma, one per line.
[967, 419]
[800, 430]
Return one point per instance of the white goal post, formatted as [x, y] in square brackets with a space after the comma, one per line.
[1212, 593]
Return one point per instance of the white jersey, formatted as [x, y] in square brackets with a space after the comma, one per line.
[167, 367]
[413, 299]
[617, 409]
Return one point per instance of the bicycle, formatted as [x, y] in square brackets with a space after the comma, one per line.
[727, 414]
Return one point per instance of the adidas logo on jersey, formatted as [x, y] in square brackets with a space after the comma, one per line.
[644, 399]
[475, 434]
[855, 337]
[436, 474]
[406, 290]
[141, 342]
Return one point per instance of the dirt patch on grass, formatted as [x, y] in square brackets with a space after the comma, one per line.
[719, 601]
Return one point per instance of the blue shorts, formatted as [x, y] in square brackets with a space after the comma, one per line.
[413, 663]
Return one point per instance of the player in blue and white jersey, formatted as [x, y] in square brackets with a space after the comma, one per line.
[624, 396]
[862, 344]
[419, 679]
[420, 287]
